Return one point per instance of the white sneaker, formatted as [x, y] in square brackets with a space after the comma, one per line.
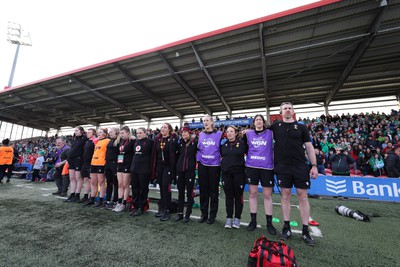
[119, 207]
[116, 206]
[228, 224]
[236, 223]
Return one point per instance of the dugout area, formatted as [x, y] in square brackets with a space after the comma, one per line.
[326, 51]
[38, 229]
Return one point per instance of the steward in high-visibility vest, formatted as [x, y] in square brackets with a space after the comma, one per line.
[6, 159]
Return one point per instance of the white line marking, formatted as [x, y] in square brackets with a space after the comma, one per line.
[46, 195]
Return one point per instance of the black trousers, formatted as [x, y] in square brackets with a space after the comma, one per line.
[209, 177]
[233, 188]
[62, 181]
[3, 172]
[185, 181]
[35, 174]
[112, 182]
[140, 189]
[164, 179]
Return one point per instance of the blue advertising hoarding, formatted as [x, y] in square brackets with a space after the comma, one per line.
[382, 189]
[235, 122]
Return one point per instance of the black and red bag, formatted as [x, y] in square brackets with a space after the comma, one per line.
[130, 206]
[268, 253]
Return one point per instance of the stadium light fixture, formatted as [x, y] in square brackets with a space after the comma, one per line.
[16, 35]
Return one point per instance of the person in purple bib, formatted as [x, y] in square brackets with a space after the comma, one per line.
[209, 161]
[260, 168]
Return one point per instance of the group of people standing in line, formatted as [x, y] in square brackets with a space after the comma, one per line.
[121, 160]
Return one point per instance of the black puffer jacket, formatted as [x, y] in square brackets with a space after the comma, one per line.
[341, 163]
[393, 164]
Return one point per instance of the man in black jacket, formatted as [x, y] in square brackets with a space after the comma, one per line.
[393, 163]
[341, 162]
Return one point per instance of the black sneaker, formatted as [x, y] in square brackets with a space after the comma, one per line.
[211, 220]
[159, 213]
[8, 180]
[64, 194]
[109, 205]
[88, 203]
[75, 199]
[69, 199]
[137, 212]
[178, 217]
[252, 226]
[165, 216]
[98, 204]
[186, 219]
[82, 200]
[271, 229]
[308, 239]
[203, 219]
[286, 233]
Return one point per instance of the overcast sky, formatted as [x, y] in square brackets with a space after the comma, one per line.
[68, 35]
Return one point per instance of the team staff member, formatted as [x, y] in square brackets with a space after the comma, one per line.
[185, 173]
[291, 167]
[233, 150]
[163, 166]
[75, 160]
[88, 150]
[124, 161]
[140, 171]
[59, 159]
[209, 161]
[97, 167]
[259, 169]
[6, 159]
[111, 168]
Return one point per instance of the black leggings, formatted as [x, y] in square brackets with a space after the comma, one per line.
[233, 188]
[35, 174]
[185, 182]
[3, 172]
[112, 182]
[164, 179]
[209, 177]
[140, 189]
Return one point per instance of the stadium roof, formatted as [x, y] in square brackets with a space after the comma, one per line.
[326, 51]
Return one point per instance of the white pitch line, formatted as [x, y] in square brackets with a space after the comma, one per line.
[46, 195]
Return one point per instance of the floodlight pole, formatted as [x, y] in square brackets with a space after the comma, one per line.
[10, 80]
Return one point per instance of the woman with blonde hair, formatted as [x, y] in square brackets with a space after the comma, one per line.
[111, 168]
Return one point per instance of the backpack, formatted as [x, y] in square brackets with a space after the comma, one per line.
[268, 253]
[130, 206]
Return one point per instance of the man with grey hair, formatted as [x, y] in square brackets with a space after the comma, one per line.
[59, 159]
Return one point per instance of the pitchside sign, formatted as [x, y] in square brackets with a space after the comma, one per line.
[382, 189]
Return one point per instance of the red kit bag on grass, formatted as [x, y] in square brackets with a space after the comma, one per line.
[268, 253]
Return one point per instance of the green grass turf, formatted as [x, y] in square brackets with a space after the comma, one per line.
[37, 230]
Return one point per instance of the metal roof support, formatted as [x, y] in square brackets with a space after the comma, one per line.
[263, 63]
[359, 52]
[184, 85]
[109, 99]
[210, 80]
[138, 86]
[326, 107]
[81, 107]
[54, 110]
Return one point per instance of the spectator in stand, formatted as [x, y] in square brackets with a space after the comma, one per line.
[320, 161]
[388, 148]
[362, 164]
[393, 163]
[341, 162]
[377, 164]
[88, 150]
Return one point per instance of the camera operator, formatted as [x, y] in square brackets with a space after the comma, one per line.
[341, 162]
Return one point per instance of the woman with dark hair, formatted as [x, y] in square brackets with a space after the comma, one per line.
[124, 161]
[75, 161]
[88, 150]
[140, 171]
[111, 168]
[209, 161]
[97, 168]
[163, 166]
[233, 150]
[260, 169]
[185, 173]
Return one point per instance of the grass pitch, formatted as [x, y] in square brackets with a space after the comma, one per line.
[38, 229]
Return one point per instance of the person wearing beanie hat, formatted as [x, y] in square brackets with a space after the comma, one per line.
[6, 159]
[362, 164]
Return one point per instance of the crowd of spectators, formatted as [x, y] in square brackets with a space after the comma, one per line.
[358, 144]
